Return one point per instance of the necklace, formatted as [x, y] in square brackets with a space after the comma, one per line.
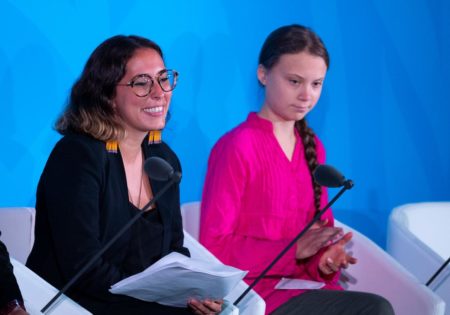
[138, 202]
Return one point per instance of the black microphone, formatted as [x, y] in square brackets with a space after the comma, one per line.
[157, 169]
[328, 176]
[324, 175]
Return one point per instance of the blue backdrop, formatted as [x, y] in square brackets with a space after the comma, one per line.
[383, 116]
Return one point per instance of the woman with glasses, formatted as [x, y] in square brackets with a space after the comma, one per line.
[94, 181]
[259, 191]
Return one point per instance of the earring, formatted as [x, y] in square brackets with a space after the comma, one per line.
[112, 146]
[154, 136]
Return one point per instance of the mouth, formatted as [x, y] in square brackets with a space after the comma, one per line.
[301, 109]
[156, 110]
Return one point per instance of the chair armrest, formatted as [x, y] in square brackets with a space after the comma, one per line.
[37, 293]
[377, 272]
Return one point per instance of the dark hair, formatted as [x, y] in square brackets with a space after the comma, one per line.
[292, 39]
[89, 109]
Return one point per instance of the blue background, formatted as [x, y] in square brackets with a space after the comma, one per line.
[383, 116]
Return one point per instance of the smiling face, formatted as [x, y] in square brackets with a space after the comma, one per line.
[137, 114]
[292, 86]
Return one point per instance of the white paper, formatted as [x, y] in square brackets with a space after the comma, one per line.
[292, 284]
[176, 278]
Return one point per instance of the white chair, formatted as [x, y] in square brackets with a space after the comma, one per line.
[252, 303]
[375, 272]
[419, 240]
[37, 293]
[17, 226]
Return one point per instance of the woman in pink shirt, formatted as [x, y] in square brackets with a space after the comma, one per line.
[259, 192]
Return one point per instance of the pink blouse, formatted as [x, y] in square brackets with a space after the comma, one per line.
[255, 201]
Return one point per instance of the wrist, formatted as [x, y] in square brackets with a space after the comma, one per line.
[12, 306]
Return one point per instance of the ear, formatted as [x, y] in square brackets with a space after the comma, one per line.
[261, 74]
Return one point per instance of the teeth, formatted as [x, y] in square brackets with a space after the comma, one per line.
[153, 109]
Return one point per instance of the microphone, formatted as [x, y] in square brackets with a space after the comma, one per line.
[324, 175]
[328, 176]
[157, 169]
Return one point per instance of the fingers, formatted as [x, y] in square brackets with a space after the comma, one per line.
[346, 238]
[205, 307]
[331, 236]
[352, 260]
[327, 268]
[331, 265]
[320, 224]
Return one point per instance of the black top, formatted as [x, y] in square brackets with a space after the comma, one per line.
[81, 203]
[9, 289]
[145, 244]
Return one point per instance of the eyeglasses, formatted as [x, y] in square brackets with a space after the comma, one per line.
[142, 83]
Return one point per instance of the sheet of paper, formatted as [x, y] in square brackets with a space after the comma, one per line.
[175, 278]
[292, 284]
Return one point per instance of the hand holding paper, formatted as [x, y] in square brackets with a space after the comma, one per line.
[176, 278]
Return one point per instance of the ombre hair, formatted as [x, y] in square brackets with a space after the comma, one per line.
[89, 109]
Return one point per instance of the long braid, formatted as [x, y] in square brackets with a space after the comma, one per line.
[309, 143]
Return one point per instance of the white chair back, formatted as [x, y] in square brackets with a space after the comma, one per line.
[418, 239]
[17, 227]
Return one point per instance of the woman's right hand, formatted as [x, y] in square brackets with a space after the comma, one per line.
[317, 237]
[205, 307]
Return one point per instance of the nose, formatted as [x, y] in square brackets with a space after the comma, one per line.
[156, 91]
[304, 92]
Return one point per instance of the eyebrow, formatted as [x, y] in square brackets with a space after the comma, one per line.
[150, 75]
[299, 76]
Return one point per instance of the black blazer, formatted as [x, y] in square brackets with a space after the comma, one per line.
[81, 203]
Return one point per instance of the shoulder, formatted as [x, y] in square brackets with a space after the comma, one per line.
[72, 143]
[73, 150]
[241, 138]
[236, 148]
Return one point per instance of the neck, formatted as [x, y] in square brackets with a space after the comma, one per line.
[130, 145]
[284, 131]
[281, 128]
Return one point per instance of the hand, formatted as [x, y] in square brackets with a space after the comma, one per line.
[335, 257]
[18, 311]
[317, 237]
[205, 307]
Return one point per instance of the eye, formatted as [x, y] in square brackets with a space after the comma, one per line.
[317, 84]
[140, 83]
[294, 81]
[163, 78]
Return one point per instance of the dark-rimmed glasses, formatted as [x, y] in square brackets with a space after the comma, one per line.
[142, 83]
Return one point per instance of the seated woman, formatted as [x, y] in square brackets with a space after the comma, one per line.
[259, 192]
[94, 181]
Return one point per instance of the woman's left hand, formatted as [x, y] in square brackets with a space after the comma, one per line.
[205, 307]
[336, 257]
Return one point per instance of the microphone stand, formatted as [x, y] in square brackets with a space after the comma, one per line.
[348, 184]
[438, 272]
[175, 178]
